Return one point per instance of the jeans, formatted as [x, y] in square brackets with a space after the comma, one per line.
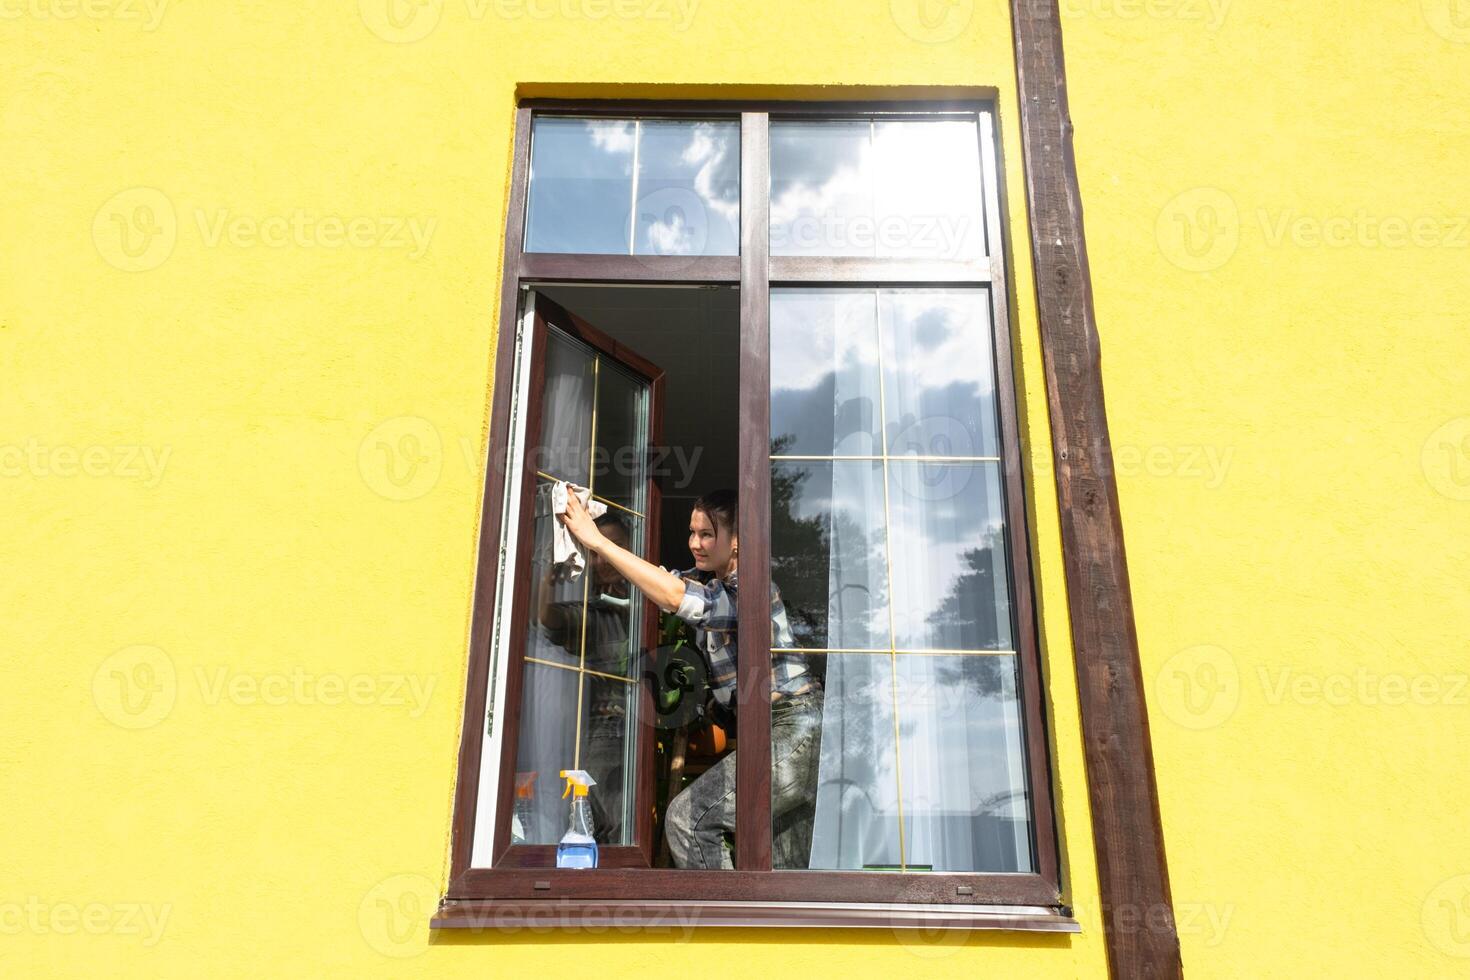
[700, 822]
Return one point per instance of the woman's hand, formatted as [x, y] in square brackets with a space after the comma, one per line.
[664, 588]
[580, 523]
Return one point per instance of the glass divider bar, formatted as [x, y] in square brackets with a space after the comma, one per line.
[556, 479]
[586, 573]
[579, 670]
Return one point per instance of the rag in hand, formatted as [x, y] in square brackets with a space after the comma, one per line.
[566, 553]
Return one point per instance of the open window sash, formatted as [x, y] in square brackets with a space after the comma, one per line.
[574, 694]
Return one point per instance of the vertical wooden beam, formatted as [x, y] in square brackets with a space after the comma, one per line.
[1138, 918]
[753, 669]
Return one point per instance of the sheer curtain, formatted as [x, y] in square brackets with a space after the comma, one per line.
[856, 821]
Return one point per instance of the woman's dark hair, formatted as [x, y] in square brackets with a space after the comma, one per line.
[612, 522]
[722, 508]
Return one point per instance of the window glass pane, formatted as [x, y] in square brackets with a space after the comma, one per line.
[579, 708]
[614, 608]
[620, 470]
[906, 188]
[824, 373]
[909, 758]
[854, 791]
[828, 552]
[688, 188]
[821, 191]
[962, 769]
[560, 731]
[587, 173]
[547, 740]
[565, 452]
[581, 185]
[609, 744]
[553, 636]
[946, 729]
[927, 190]
[950, 587]
[938, 373]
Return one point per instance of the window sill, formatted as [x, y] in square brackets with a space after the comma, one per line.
[654, 916]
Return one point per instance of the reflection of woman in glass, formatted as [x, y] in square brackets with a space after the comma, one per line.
[701, 820]
[607, 651]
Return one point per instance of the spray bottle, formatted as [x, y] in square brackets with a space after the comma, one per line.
[578, 849]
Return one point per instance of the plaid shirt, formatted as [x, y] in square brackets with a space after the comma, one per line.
[709, 606]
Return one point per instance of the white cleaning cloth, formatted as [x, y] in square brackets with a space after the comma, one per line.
[566, 553]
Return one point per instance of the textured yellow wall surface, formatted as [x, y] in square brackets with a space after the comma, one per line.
[249, 280]
[1278, 220]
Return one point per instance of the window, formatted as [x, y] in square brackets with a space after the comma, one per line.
[806, 302]
[578, 642]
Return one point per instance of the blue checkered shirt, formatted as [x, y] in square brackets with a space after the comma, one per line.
[709, 606]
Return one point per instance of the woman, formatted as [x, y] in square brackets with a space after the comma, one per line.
[700, 822]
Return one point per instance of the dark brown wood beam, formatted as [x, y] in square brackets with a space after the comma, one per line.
[1133, 878]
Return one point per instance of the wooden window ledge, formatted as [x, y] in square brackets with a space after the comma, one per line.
[651, 916]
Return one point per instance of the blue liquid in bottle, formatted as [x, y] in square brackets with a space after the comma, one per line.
[578, 849]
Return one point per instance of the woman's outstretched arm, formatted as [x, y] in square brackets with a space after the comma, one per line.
[665, 589]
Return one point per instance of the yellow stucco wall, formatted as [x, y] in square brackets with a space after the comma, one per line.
[1292, 387]
[234, 630]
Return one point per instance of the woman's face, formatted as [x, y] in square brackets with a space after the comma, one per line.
[711, 546]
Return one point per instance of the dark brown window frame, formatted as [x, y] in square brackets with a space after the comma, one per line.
[754, 893]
